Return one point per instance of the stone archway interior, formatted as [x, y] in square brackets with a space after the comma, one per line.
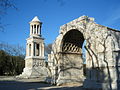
[71, 68]
[72, 42]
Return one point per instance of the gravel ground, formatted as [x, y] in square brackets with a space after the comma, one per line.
[10, 83]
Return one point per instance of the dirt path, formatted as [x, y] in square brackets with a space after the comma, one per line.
[10, 83]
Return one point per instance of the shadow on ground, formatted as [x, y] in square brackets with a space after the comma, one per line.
[17, 85]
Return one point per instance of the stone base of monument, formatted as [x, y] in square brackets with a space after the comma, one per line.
[35, 68]
[35, 72]
[91, 84]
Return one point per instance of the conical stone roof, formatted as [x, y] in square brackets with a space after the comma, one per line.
[35, 19]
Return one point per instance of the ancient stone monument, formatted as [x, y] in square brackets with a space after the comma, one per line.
[65, 63]
[102, 55]
[35, 59]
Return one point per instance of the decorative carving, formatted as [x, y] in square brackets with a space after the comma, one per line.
[71, 48]
[37, 63]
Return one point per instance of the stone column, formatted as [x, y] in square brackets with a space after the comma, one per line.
[36, 28]
[29, 49]
[40, 49]
[43, 49]
[33, 29]
[35, 48]
[39, 29]
[32, 49]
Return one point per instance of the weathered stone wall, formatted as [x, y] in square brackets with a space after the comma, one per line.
[101, 66]
[70, 69]
[102, 52]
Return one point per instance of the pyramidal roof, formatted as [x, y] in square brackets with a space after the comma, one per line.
[35, 19]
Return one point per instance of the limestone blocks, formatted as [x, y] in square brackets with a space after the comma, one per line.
[102, 54]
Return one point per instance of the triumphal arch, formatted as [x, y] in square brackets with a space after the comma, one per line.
[102, 45]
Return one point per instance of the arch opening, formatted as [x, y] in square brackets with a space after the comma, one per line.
[73, 42]
[71, 63]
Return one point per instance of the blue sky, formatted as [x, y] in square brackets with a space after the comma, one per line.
[53, 14]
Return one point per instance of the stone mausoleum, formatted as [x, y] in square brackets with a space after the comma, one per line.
[35, 66]
[65, 63]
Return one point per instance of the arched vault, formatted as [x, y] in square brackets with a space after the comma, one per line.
[102, 54]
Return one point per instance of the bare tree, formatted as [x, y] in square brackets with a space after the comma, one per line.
[14, 50]
[48, 48]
